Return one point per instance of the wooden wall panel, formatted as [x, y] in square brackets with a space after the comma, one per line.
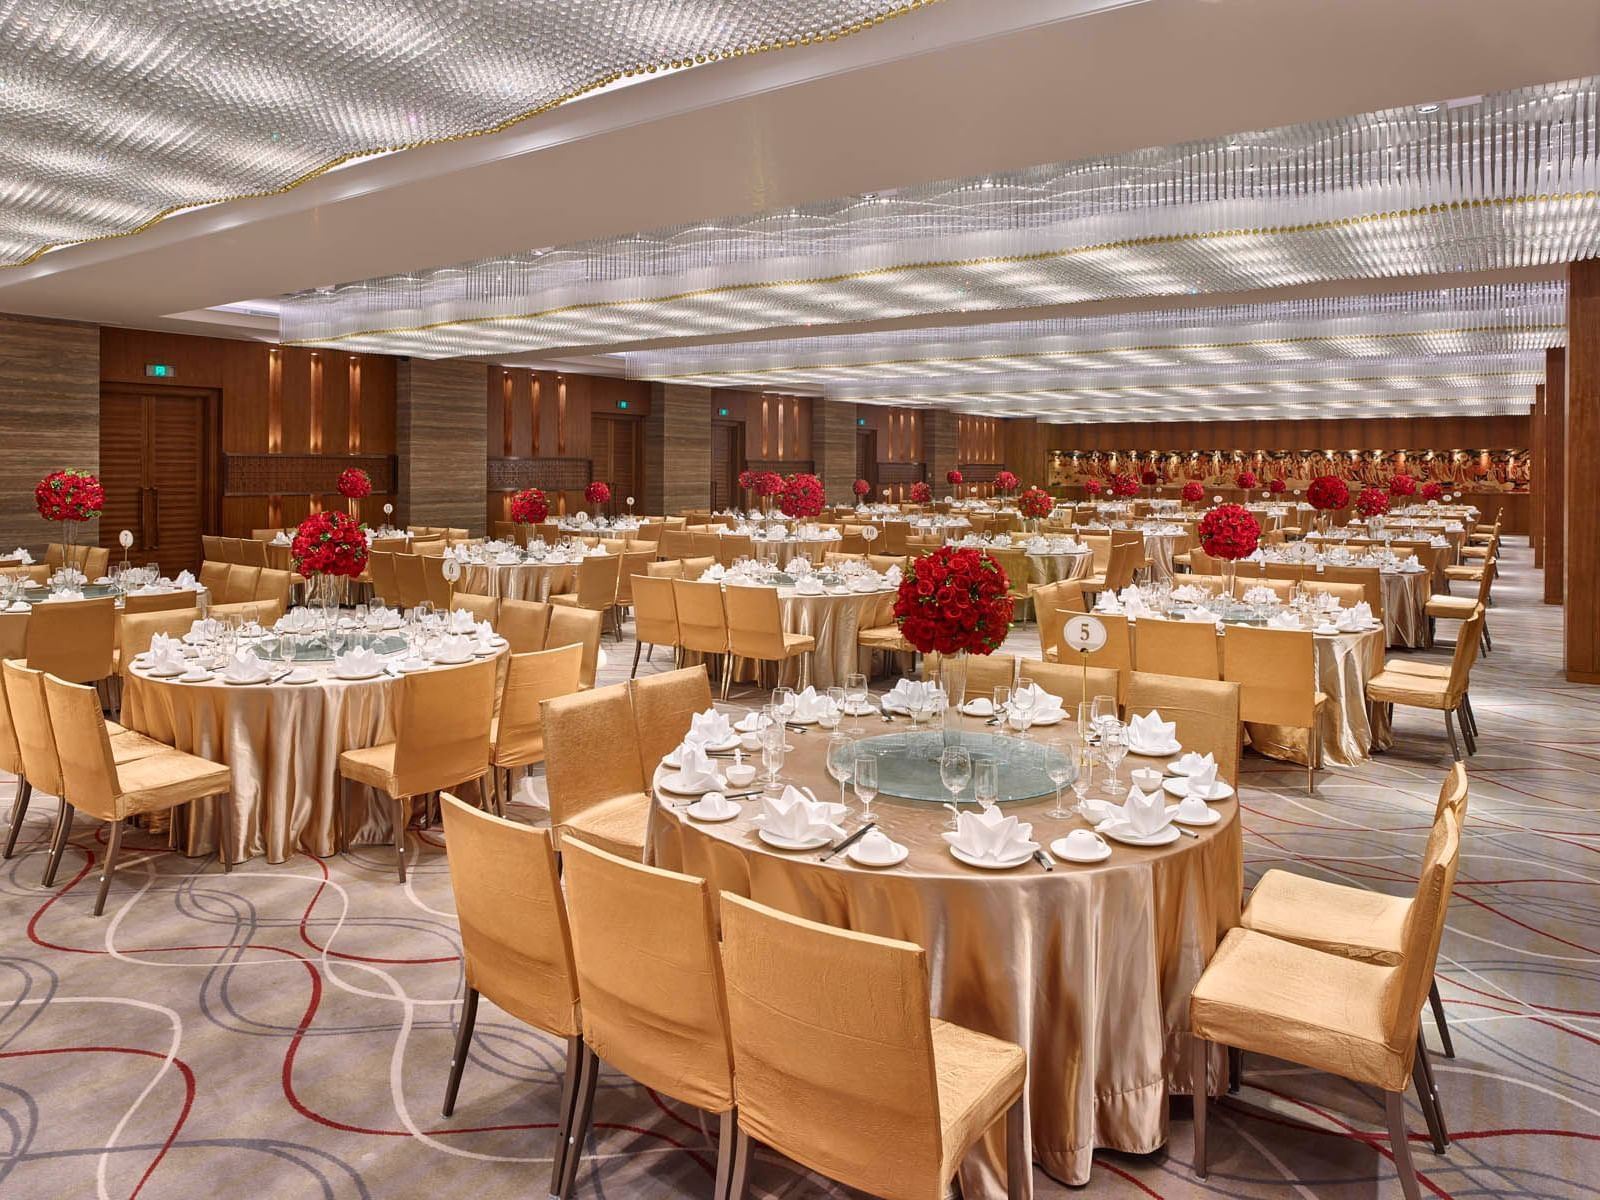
[677, 449]
[1581, 446]
[442, 429]
[901, 457]
[49, 418]
[1552, 482]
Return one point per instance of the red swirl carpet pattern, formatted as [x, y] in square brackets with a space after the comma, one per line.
[286, 1030]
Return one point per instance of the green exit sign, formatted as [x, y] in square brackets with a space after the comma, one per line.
[160, 370]
[622, 404]
[722, 412]
[861, 420]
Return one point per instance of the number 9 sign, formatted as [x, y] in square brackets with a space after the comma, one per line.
[1084, 634]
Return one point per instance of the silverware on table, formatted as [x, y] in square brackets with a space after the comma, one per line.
[1044, 860]
[1185, 832]
[850, 841]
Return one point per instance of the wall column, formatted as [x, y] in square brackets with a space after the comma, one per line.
[1555, 488]
[939, 447]
[677, 449]
[442, 443]
[49, 419]
[1539, 463]
[833, 448]
[1581, 447]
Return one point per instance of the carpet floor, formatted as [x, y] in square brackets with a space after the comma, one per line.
[285, 1031]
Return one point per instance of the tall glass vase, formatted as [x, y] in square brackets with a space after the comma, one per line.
[953, 675]
[1230, 576]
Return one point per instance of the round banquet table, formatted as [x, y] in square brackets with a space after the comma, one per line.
[1405, 607]
[1051, 567]
[282, 742]
[1087, 968]
[812, 549]
[518, 581]
[1158, 550]
[833, 620]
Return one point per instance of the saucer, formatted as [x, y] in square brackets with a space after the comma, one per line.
[902, 853]
[779, 842]
[1179, 787]
[1061, 848]
[989, 864]
[675, 783]
[1155, 751]
[1213, 813]
[697, 810]
[1165, 836]
[357, 678]
[168, 674]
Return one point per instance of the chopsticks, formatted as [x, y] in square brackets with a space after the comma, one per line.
[850, 841]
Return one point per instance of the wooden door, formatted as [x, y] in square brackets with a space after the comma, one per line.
[614, 452]
[157, 456]
[867, 458]
[727, 460]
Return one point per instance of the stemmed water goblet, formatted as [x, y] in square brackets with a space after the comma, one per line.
[832, 712]
[866, 780]
[955, 772]
[855, 690]
[841, 760]
[1059, 768]
[986, 782]
[1113, 748]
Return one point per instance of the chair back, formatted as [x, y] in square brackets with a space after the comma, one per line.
[634, 562]
[211, 547]
[1018, 569]
[590, 750]
[1100, 549]
[1116, 655]
[1125, 559]
[88, 774]
[137, 630]
[385, 578]
[10, 751]
[1206, 712]
[531, 679]
[1370, 579]
[702, 620]
[411, 579]
[1276, 670]
[433, 581]
[241, 585]
[1067, 681]
[649, 531]
[655, 612]
[515, 944]
[755, 622]
[1486, 581]
[442, 727]
[1187, 648]
[1347, 594]
[731, 547]
[157, 602]
[675, 543]
[1453, 793]
[664, 706]
[650, 974]
[232, 550]
[576, 627]
[30, 718]
[671, 568]
[597, 581]
[524, 624]
[391, 545]
[253, 552]
[1407, 988]
[894, 538]
[482, 608]
[72, 639]
[693, 568]
[428, 547]
[1465, 654]
[882, 562]
[273, 587]
[827, 1022]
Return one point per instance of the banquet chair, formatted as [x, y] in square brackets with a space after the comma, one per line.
[1125, 559]
[703, 622]
[411, 580]
[158, 602]
[675, 543]
[1444, 607]
[731, 547]
[232, 550]
[655, 617]
[707, 545]
[515, 944]
[664, 707]
[274, 587]
[1051, 615]
[1019, 570]
[11, 761]
[252, 553]
[428, 547]
[649, 531]
[576, 627]
[214, 578]
[852, 542]
[1370, 579]
[94, 782]
[524, 624]
[839, 1065]
[1350, 921]
[693, 568]
[598, 577]
[136, 630]
[1206, 712]
[882, 562]
[592, 772]
[1345, 1016]
[1186, 648]
[1068, 681]
[241, 584]
[73, 640]
[443, 719]
[210, 547]
[652, 1004]
[1290, 571]
[879, 632]
[516, 736]
[1446, 693]
[668, 568]
[1276, 670]
[1482, 545]
[1348, 594]
[634, 562]
[547, 531]
[755, 631]
[894, 538]
[1283, 589]
[613, 545]
[504, 531]
[437, 587]
[482, 608]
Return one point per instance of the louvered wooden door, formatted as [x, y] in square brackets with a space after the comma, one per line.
[727, 460]
[156, 462]
[614, 450]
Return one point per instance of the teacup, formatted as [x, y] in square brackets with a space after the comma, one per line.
[1147, 779]
[715, 804]
[876, 846]
[739, 774]
[1192, 808]
[1084, 842]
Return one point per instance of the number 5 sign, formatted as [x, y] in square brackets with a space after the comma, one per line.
[1084, 634]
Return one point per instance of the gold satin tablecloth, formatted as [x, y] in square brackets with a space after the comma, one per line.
[1352, 730]
[1088, 968]
[1048, 567]
[811, 549]
[282, 742]
[1405, 607]
[834, 621]
[518, 581]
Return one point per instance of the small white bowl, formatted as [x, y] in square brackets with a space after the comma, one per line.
[739, 774]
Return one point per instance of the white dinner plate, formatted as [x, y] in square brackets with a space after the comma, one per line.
[901, 854]
[358, 678]
[1163, 837]
[154, 674]
[988, 864]
[298, 678]
[1062, 849]
[452, 662]
[895, 707]
[246, 682]
[1155, 751]
[675, 783]
[1215, 815]
[697, 810]
[1054, 717]
[778, 842]
[412, 668]
[202, 677]
[1179, 787]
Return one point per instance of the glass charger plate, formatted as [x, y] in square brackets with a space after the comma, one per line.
[908, 765]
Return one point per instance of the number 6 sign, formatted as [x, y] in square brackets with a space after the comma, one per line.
[1084, 634]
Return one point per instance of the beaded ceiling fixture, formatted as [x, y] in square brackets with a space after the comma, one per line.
[116, 114]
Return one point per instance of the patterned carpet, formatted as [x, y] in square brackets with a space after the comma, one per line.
[286, 1031]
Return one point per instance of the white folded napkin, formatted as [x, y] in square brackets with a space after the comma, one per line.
[245, 667]
[1150, 731]
[508, 558]
[907, 693]
[1363, 610]
[991, 836]
[1143, 813]
[809, 585]
[1107, 603]
[359, 661]
[799, 816]
[1283, 620]
[485, 634]
[281, 539]
[798, 566]
[809, 705]
[1045, 704]
[17, 606]
[892, 577]
[22, 555]
[1191, 763]
[461, 621]
[67, 594]
[453, 648]
[752, 722]
[1187, 593]
[166, 656]
[1260, 595]
[713, 574]
[185, 579]
[595, 552]
[695, 768]
[1204, 781]
[709, 728]
[296, 620]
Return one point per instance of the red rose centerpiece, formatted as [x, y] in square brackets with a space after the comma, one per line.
[1372, 502]
[1005, 482]
[1402, 485]
[72, 497]
[1248, 480]
[802, 496]
[953, 477]
[861, 488]
[1229, 532]
[328, 546]
[956, 602]
[529, 507]
[1431, 492]
[1149, 478]
[921, 493]
[1124, 485]
[597, 493]
[1193, 492]
[354, 483]
[1093, 486]
[1035, 504]
[1328, 492]
[1277, 487]
[747, 480]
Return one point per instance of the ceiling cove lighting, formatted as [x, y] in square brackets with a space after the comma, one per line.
[1507, 180]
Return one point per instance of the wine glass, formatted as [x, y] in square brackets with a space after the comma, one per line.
[1113, 747]
[855, 690]
[1101, 710]
[772, 760]
[1059, 769]
[1022, 702]
[841, 759]
[1084, 778]
[832, 712]
[866, 778]
[1002, 704]
[955, 772]
[288, 649]
[986, 782]
[783, 707]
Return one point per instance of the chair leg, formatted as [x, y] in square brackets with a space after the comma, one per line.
[113, 844]
[637, 646]
[458, 1063]
[578, 1128]
[225, 831]
[1450, 729]
[739, 1183]
[402, 813]
[577, 1053]
[1200, 1051]
[1400, 1145]
[1428, 1095]
[727, 1137]
[1466, 733]
[1437, 1004]
[1018, 1167]
[58, 843]
[1235, 1069]
[19, 809]
[1469, 719]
